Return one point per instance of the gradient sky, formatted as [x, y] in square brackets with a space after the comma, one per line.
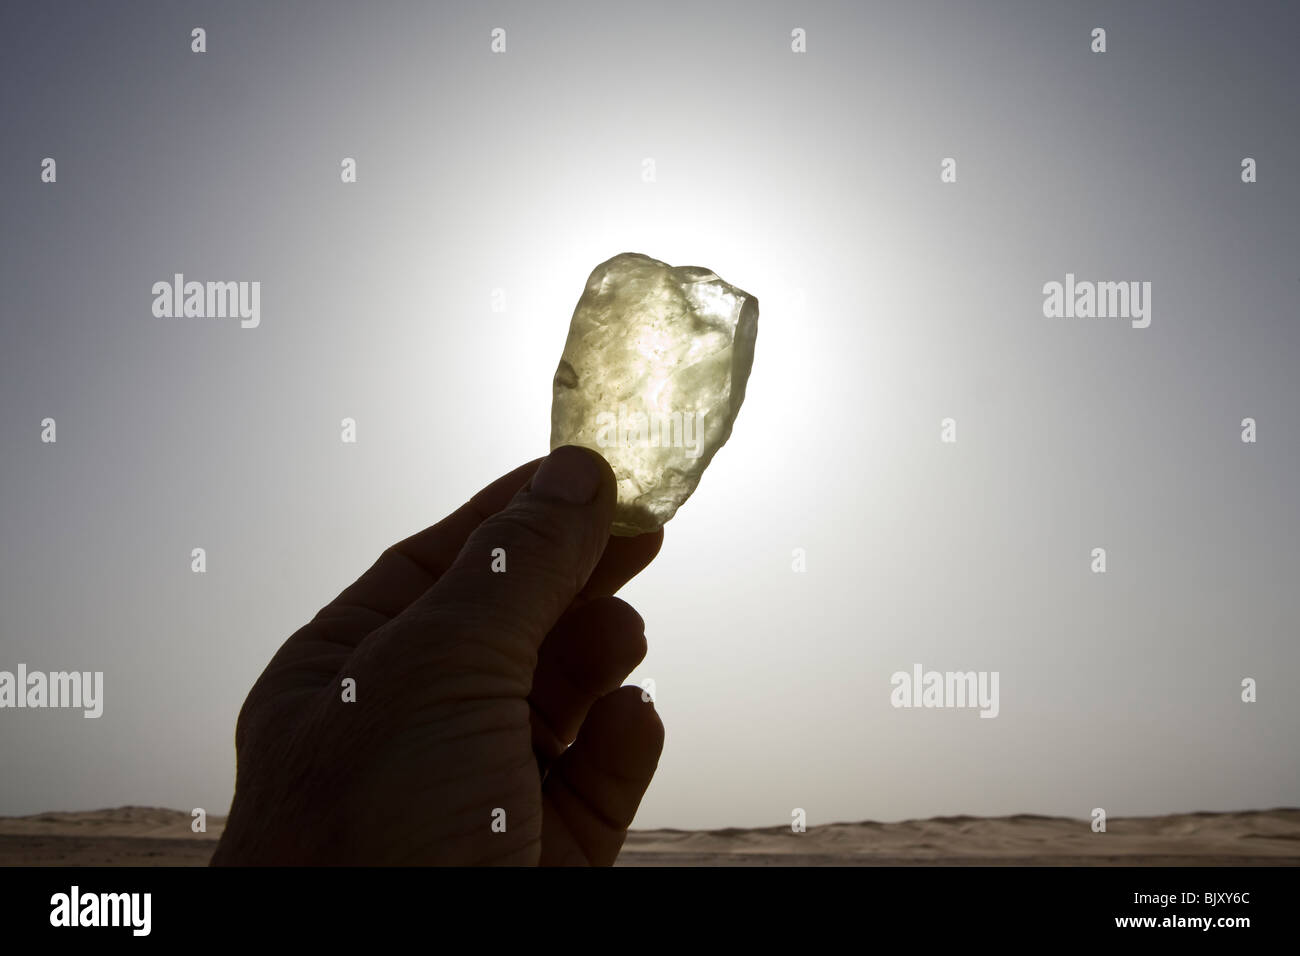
[889, 301]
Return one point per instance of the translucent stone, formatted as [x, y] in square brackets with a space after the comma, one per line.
[652, 377]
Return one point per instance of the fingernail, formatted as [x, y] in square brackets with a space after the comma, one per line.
[568, 474]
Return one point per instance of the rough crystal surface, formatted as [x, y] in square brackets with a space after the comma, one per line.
[652, 377]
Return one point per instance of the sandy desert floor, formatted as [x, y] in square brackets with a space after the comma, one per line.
[148, 836]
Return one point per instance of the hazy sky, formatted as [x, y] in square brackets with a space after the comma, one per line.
[890, 301]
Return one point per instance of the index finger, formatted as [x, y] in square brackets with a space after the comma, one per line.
[409, 568]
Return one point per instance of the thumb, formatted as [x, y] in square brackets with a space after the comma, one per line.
[520, 569]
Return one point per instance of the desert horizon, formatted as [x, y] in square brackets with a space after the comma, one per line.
[158, 836]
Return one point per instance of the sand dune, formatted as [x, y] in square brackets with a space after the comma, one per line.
[150, 836]
[126, 836]
[1256, 837]
[122, 822]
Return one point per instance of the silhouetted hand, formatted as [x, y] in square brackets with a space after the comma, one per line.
[470, 685]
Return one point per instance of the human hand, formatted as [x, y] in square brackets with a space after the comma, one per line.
[470, 684]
